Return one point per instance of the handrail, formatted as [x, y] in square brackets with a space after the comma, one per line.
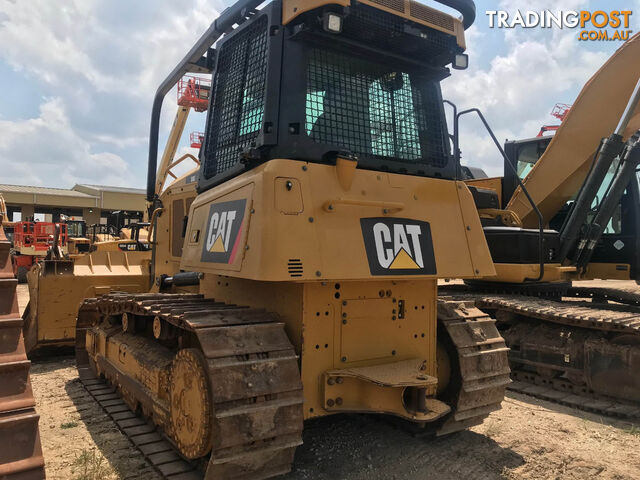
[507, 162]
[152, 224]
[467, 9]
[456, 139]
[190, 63]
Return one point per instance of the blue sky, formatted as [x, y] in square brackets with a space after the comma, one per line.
[78, 76]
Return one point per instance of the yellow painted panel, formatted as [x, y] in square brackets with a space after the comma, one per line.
[327, 240]
[494, 183]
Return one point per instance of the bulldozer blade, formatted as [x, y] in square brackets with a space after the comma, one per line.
[57, 287]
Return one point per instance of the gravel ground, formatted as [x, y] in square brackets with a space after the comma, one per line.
[527, 439]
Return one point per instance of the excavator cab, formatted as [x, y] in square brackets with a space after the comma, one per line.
[568, 210]
[619, 246]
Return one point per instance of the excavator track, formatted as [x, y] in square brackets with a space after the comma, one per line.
[233, 408]
[626, 296]
[20, 450]
[576, 350]
[480, 367]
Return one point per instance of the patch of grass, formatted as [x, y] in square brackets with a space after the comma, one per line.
[90, 465]
[66, 425]
[493, 428]
[633, 430]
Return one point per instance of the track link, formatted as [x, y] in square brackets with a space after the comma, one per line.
[482, 362]
[590, 316]
[626, 296]
[20, 450]
[598, 375]
[252, 384]
[565, 393]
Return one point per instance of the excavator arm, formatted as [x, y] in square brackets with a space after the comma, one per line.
[561, 171]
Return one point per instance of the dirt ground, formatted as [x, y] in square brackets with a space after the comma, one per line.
[527, 439]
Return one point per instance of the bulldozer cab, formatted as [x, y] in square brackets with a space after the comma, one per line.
[76, 228]
[344, 80]
[135, 238]
[102, 232]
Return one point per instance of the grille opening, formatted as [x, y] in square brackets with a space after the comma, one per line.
[397, 5]
[429, 15]
[295, 267]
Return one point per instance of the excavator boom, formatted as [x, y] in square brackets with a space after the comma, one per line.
[562, 169]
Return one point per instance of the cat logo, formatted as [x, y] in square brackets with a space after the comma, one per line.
[223, 233]
[398, 246]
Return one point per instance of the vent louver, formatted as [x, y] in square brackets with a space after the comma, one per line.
[397, 5]
[429, 15]
[295, 267]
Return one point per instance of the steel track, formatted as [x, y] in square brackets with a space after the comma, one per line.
[565, 393]
[155, 448]
[482, 363]
[593, 313]
[254, 384]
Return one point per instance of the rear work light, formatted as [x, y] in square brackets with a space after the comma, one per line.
[332, 23]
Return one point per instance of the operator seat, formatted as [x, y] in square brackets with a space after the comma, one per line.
[345, 121]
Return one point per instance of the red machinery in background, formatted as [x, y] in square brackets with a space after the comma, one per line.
[194, 92]
[31, 242]
[196, 138]
[560, 111]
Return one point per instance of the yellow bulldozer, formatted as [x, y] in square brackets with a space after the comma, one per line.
[328, 207]
[108, 261]
[59, 283]
[329, 204]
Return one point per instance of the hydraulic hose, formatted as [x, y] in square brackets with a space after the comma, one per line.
[629, 163]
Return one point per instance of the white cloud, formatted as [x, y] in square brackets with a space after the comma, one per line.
[102, 61]
[517, 90]
[59, 41]
[46, 150]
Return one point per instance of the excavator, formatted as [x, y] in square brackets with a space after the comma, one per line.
[20, 450]
[567, 210]
[328, 206]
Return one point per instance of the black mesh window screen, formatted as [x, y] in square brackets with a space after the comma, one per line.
[388, 32]
[373, 110]
[237, 109]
